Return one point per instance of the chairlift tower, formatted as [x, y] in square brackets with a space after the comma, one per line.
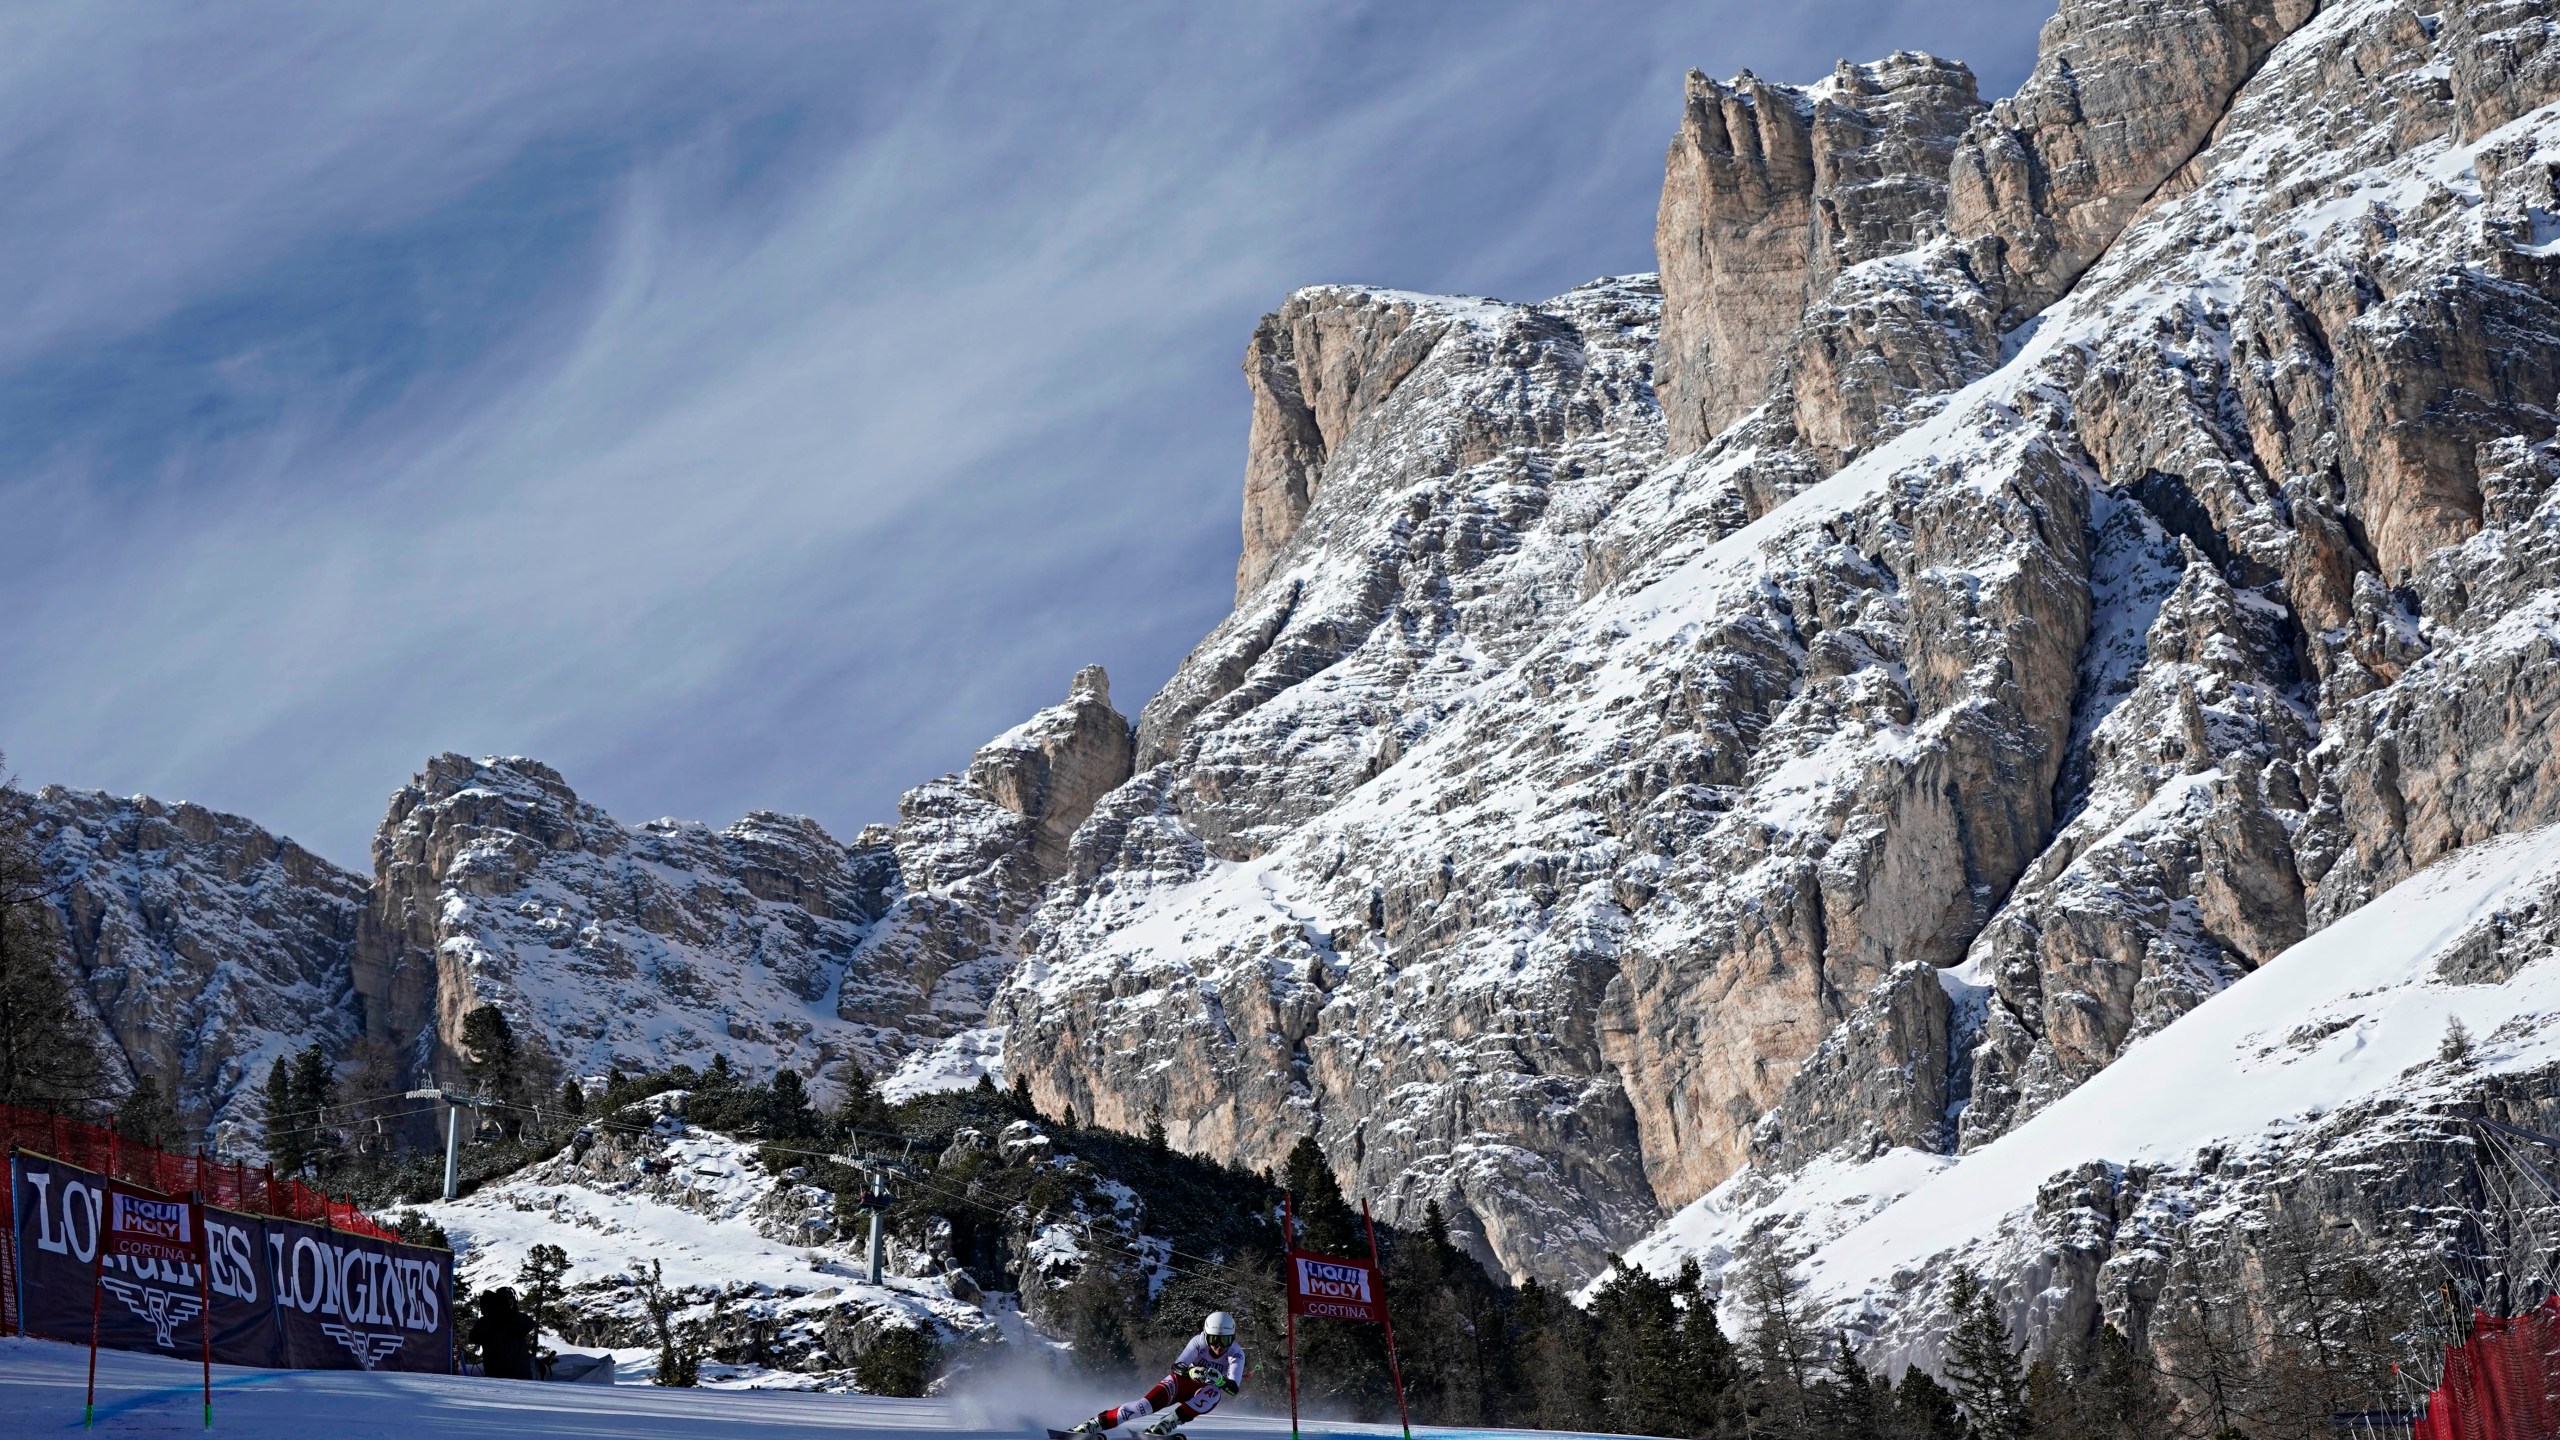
[452, 1130]
[875, 1200]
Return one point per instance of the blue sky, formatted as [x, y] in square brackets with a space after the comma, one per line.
[736, 407]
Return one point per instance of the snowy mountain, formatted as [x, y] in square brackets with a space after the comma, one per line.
[1969, 715]
[204, 946]
[208, 946]
[2092, 588]
[2324, 1078]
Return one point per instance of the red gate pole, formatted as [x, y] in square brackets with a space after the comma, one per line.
[97, 1292]
[204, 1293]
[1386, 1320]
[1289, 1299]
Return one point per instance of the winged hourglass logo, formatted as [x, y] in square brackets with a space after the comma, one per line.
[366, 1346]
[163, 1308]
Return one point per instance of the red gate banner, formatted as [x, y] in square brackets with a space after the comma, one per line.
[1324, 1288]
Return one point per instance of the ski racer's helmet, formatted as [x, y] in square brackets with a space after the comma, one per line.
[1219, 1329]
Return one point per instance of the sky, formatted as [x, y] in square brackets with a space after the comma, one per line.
[737, 407]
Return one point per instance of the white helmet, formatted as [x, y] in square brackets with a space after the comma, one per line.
[1220, 1324]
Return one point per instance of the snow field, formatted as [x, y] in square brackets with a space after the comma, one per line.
[41, 1385]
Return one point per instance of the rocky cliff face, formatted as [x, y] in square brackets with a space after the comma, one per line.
[1865, 741]
[973, 852]
[1770, 192]
[206, 946]
[495, 884]
[769, 940]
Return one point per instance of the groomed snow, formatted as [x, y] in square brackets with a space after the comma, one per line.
[41, 1384]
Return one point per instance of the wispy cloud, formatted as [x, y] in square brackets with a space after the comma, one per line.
[743, 407]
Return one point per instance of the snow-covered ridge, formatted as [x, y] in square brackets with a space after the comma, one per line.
[204, 946]
[209, 947]
[2349, 1019]
[756, 1257]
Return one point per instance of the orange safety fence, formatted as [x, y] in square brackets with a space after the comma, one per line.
[2501, 1384]
[226, 1184]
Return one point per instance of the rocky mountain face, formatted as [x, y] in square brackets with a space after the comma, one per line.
[972, 853]
[209, 946]
[203, 946]
[2021, 569]
[1794, 721]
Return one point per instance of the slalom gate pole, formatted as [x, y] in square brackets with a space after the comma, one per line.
[1385, 1320]
[1289, 1300]
[204, 1293]
[97, 1293]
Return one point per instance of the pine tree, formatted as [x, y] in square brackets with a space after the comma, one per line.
[1708, 1361]
[573, 1098]
[679, 1361]
[1432, 1340]
[147, 1117]
[1849, 1403]
[494, 1063]
[1924, 1410]
[1341, 1367]
[539, 1281]
[1326, 1222]
[787, 1112]
[1983, 1366]
[2055, 1408]
[1094, 1311]
[2322, 1360]
[286, 1136]
[2122, 1393]
[1785, 1347]
[1637, 1325]
[1560, 1387]
[862, 1109]
[315, 1092]
[2207, 1345]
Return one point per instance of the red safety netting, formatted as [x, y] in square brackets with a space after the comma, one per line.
[229, 1185]
[2501, 1384]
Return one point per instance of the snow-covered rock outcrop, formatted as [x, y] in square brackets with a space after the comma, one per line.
[208, 946]
[2322, 1081]
[1566, 780]
[754, 1259]
[204, 946]
[606, 943]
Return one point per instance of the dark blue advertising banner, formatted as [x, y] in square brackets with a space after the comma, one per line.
[285, 1295]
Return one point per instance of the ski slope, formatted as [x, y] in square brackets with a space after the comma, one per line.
[41, 1384]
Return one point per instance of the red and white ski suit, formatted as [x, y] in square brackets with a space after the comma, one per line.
[1194, 1398]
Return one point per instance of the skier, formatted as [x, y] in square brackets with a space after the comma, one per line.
[1209, 1368]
